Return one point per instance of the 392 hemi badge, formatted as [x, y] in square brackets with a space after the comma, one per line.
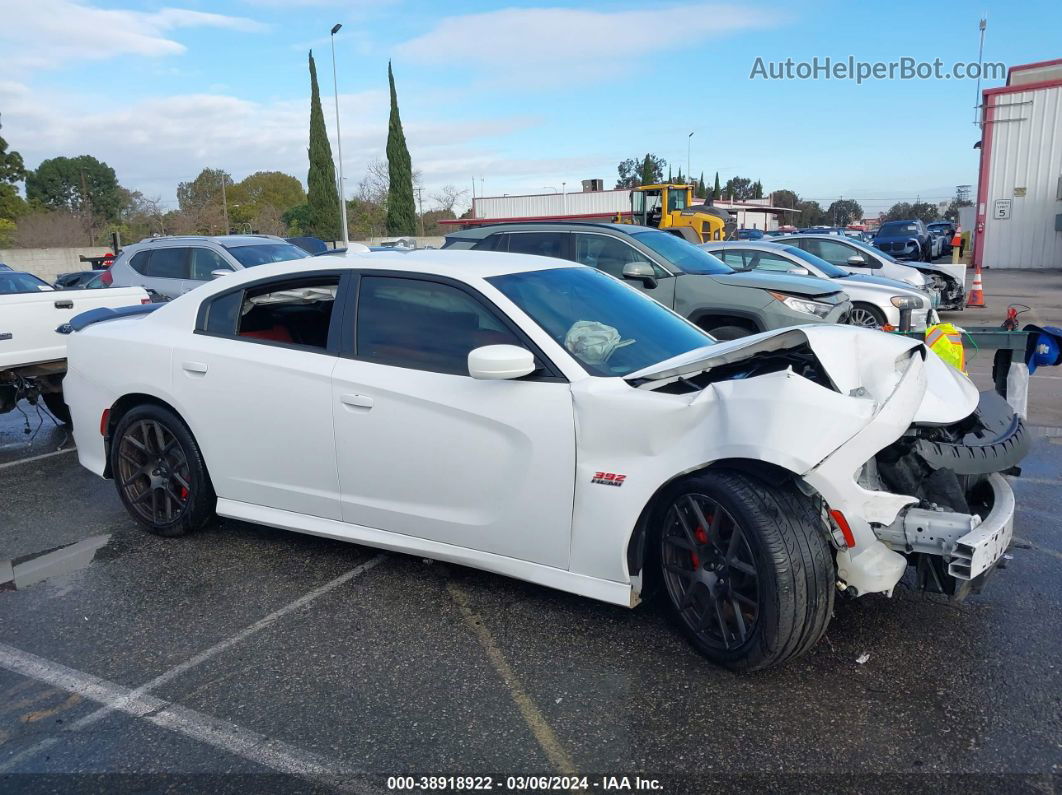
[608, 478]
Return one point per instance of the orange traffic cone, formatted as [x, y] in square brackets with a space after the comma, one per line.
[976, 298]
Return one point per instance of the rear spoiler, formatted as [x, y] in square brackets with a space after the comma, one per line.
[102, 313]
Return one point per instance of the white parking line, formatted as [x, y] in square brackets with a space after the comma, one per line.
[129, 698]
[220, 734]
[37, 458]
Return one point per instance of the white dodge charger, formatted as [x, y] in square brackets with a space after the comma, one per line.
[548, 422]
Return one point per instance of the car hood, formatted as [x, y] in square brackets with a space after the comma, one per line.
[892, 285]
[859, 362]
[793, 285]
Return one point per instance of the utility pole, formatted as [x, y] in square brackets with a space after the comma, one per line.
[980, 59]
[689, 140]
[420, 209]
[224, 202]
[339, 141]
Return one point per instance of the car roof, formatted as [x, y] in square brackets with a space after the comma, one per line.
[229, 241]
[461, 264]
[762, 245]
[483, 231]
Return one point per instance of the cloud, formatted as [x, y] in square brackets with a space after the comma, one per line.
[547, 46]
[49, 32]
[156, 143]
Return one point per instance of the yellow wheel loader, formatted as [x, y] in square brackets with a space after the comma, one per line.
[670, 206]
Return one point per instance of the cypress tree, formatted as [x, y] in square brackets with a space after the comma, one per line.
[716, 191]
[648, 171]
[701, 187]
[401, 212]
[322, 196]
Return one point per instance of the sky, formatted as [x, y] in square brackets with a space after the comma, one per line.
[513, 97]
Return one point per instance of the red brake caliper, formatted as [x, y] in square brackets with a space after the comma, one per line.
[702, 538]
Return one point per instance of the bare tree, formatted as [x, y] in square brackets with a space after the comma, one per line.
[55, 229]
[447, 196]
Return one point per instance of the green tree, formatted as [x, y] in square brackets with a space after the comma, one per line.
[203, 191]
[785, 198]
[701, 189]
[268, 189]
[652, 170]
[401, 211]
[297, 219]
[738, 188]
[322, 196]
[757, 190]
[811, 214]
[12, 169]
[900, 211]
[844, 212]
[80, 184]
[925, 211]
[716, 191]
[12, 205]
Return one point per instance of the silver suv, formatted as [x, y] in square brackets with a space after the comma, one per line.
[171, 266]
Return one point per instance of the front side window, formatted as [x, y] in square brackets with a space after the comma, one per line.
[611, 329]
[676, 200]
[679, 252]
[263, 253]
[205, 262]
[605, 253]
[731, 257]
[766, 261]
[423, 325]
[167, 263]
[834, 253]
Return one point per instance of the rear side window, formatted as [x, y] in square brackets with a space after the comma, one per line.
[491, 243]
[544, 244]
[168, 263]
[222, 313]
[423, 325]
[138, 262]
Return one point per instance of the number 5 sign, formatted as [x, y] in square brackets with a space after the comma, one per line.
[1001, 209]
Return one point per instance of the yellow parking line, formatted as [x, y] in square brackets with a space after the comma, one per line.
[534, 718]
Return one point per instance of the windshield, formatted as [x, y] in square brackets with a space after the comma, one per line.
[262, 253]
[12, 283]
[685, 255]
[611, 329]
[828, 268]
[897, 228]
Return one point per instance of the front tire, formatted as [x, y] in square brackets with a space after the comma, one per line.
[866, 316]
[159, 472]
[747, 568]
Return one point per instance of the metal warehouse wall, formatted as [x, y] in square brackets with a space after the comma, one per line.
[1024, 150]
[550, 204]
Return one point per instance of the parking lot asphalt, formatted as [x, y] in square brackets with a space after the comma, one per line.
[246, 651]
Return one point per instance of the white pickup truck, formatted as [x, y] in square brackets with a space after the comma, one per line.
[32, 352]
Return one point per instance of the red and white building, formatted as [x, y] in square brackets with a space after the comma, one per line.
[1019, 190]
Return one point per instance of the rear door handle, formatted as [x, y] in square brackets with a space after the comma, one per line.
[357, 401]
[64, 304]
[194, 367]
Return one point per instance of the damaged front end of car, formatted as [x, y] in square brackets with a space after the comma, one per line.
[917, 482]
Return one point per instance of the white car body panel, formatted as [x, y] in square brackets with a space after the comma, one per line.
[499, 474]
[31, 320]
[481, 464]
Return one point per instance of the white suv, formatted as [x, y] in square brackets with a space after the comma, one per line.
[171, 266]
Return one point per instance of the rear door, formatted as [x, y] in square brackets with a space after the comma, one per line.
[166, 270]
[255, 382]
[426, 450]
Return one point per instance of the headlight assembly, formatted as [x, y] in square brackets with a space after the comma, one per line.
[805, 305]
[906, 302]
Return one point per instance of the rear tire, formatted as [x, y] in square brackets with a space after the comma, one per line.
[159, 472]
[747, 568]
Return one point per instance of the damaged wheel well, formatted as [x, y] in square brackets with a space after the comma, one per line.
[771, 474]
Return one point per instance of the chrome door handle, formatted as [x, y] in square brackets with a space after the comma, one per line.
[357, 401]
[194, 367]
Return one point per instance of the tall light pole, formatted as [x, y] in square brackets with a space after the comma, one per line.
[689, 140]
[981, 25]
[339, 139]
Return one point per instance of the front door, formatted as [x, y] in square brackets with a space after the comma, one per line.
[609, 254]
[426, 450]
